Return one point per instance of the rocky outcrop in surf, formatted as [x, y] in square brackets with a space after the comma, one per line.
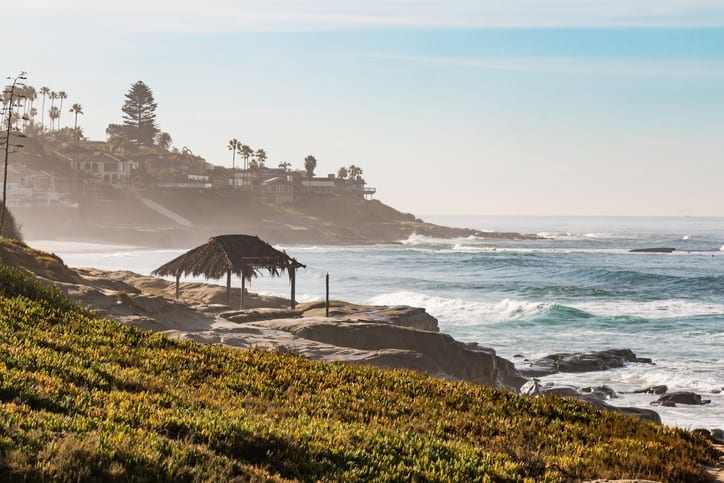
[582, 362]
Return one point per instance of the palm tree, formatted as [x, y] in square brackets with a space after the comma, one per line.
[77, 109]
[342, 173]
[246, 153]
[285, 166]
[53, 113]
[310, 162]
[235, 147]
[260, 157]
[53, 96]
[44, 91]
[62, 95]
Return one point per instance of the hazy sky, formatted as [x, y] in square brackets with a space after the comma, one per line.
[451, 107]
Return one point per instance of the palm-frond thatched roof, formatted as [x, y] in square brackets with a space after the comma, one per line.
[239, 254]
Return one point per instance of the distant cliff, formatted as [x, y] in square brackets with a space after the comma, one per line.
[180, 218]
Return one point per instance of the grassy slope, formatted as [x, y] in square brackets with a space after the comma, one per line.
[84, 398]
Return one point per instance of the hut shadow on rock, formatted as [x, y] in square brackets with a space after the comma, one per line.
[224, 255]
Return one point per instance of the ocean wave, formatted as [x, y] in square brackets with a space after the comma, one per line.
[459, 311]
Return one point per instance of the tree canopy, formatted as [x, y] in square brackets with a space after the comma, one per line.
[139, 115]
[310, 164]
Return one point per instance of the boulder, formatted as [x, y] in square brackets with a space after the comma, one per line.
[535, 389]
[653, 250]
[582, 362]
[680, 397]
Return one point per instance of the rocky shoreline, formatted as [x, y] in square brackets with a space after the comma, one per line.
[398, 337]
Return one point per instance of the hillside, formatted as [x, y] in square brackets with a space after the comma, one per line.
[83, 398]
[159, 201]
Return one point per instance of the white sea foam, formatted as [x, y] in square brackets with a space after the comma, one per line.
[722, 248]
[459, 311]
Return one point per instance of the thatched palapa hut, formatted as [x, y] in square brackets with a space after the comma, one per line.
[243, 255]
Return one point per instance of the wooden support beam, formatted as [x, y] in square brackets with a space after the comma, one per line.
[178, 289]
[293, 279]
[243, 287]
[228, 288]
[326, 298]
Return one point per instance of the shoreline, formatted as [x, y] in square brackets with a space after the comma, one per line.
[396, 337]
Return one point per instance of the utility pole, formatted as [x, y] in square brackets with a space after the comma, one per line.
[10, 93]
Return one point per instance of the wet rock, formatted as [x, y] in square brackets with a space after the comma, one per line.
[535, 389]
[641, 413]
[582, 362]
[653, 250]
[680, 397]
[658, 390]
[601, 392]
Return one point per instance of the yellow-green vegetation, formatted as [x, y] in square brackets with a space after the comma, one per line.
[83, 398]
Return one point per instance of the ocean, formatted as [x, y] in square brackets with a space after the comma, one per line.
[577, 290]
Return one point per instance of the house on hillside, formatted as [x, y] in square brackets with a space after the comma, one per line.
[32, 188]
[103, 167]
[278, 190]
[319, 186]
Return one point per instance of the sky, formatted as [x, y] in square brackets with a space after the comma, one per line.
[501, 107]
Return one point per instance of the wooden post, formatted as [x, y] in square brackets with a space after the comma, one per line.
[178, 291]
[243, 286]
[228, 288]
[326, 299]
[293, 279]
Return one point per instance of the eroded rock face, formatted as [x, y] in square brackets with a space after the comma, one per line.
[390, 346]
[680, 397]
[582, 362]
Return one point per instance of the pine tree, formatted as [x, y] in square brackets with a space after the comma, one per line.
[139, 114]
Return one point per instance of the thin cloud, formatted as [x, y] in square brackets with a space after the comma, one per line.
[587, 66]
[293, 15]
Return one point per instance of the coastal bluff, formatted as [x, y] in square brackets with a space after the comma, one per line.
[194, 217]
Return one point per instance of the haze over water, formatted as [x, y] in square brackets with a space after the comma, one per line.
[578, 290]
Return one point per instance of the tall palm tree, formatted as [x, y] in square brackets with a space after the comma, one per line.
[44, 91]
[285, 166]
[53, 113]
[260, 156]
[62, 95]
[53, 96]
[246, 153]
[76, 109]
[235, 147]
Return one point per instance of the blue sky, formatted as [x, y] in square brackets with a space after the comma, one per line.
[461, 107]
